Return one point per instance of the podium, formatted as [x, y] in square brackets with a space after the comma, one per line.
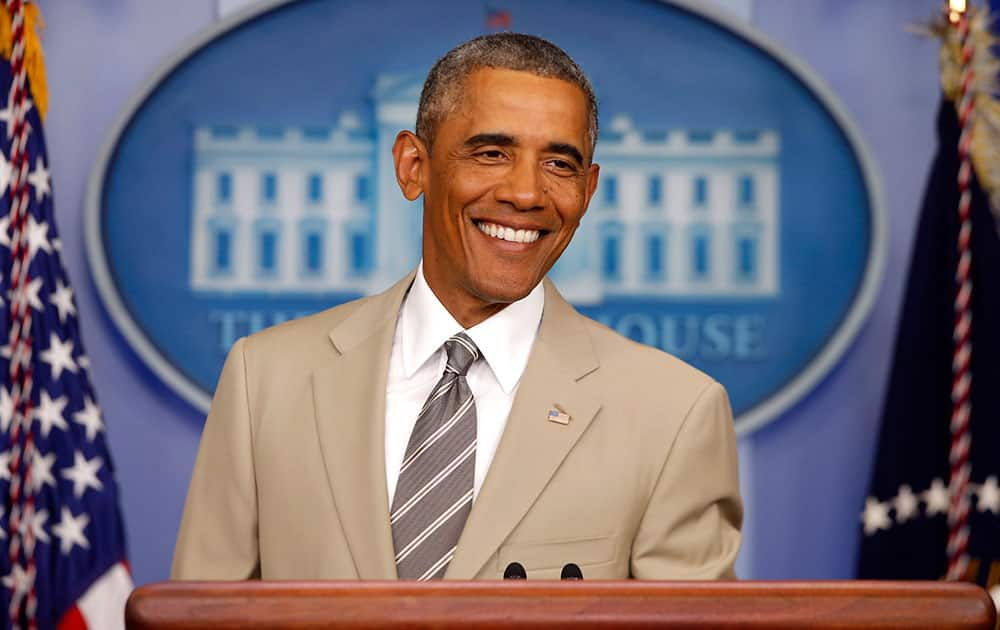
[555, 605]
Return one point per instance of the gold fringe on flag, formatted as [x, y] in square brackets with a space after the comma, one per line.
[34, 60]
[985, 117]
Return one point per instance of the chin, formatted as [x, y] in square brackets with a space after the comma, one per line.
[505, 291]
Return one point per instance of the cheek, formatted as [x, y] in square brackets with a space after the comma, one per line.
[465, 183]
[569, 197]
[571, 210]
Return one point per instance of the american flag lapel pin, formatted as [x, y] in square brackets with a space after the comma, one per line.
[558, 416]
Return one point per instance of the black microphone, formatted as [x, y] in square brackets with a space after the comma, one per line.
[515, 571]
[571, 572]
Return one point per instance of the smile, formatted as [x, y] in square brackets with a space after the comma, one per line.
[507, 233]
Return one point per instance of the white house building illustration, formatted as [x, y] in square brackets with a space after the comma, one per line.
[297, 210]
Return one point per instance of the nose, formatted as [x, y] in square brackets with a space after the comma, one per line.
[523, 186]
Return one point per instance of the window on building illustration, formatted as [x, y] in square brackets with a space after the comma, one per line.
[224, 187]
[223, 251]
[267, 251]
[313, 253]
[700, 192]
[701, 256]
[611, 256]
[746, 192]
[361, 188]
[655, 263]
[269, 187]
[610, 186]
[360, 255]
[655, 191]
[314, 186]
[746, 258]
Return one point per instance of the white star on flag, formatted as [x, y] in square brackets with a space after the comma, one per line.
[5, 465]
[59, 355]
[39, 178]
[6, 409]
[38, 237]
[62, 299]
[30, 295]
[70, 530]
[876, 516]
[37, 525]
[906, 504]
[41, 470]
[989, 496]
[83, 474]
[7, 116]
[20, 581]
[90, 418]
[937, 498]
[3, 530]
[5, 172]
[49, 413]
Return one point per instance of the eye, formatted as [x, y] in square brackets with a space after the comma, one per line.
[562, 166]
[491, 154]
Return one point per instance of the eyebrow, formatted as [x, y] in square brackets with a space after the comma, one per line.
[504, 140]
[563, 148]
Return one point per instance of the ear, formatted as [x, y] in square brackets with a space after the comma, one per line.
[593, 171]
[410, 155]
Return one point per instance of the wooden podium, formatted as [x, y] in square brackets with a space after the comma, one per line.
[552, 605]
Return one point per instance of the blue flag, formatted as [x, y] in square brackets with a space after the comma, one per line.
[904, 521]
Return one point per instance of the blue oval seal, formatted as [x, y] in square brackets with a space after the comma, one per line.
[737, 223]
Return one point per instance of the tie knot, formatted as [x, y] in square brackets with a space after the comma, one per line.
[462, 353]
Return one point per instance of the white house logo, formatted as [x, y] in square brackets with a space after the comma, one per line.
[294, 210]
[734, 224]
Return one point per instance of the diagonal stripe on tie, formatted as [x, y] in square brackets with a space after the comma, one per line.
[438, 566]
[433, 496]
[429, 531]
[433, 483]
[434, 437]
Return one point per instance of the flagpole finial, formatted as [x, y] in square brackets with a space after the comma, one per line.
[956, 10]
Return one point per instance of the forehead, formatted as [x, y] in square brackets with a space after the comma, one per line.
[521, 104]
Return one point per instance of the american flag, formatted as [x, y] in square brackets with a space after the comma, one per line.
[65, 564]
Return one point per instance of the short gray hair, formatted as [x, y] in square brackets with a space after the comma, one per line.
[509, 51]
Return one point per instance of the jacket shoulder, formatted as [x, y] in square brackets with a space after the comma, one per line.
[298, 343]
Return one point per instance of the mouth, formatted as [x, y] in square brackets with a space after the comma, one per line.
[506, 233]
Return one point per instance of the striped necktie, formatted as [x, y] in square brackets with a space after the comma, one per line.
[434, 492]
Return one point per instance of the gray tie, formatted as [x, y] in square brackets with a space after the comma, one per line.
[434, 492]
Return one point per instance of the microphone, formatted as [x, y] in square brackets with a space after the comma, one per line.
[515, 571]
[571, 572]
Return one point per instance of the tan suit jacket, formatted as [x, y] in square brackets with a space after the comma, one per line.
[289, 481]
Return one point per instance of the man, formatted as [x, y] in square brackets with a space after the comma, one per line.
[468, 417]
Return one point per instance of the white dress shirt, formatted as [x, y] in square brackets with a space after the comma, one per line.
[418, 359]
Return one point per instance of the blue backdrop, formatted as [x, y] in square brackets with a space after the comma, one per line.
[804, 476]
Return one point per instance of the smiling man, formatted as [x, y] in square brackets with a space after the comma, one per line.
[469, 417]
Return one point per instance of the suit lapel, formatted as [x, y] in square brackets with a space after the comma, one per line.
[532, 448]
[349, 396]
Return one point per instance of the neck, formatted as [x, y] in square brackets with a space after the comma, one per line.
[469, 312]
[467, 309]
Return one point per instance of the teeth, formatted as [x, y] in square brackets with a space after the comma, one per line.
[508, 233]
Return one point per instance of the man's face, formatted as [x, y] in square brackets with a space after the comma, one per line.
[507, 181]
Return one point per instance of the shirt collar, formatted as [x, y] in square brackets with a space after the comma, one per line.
[505, 339]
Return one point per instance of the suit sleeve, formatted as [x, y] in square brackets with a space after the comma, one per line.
[218, 532]
[691, 527]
